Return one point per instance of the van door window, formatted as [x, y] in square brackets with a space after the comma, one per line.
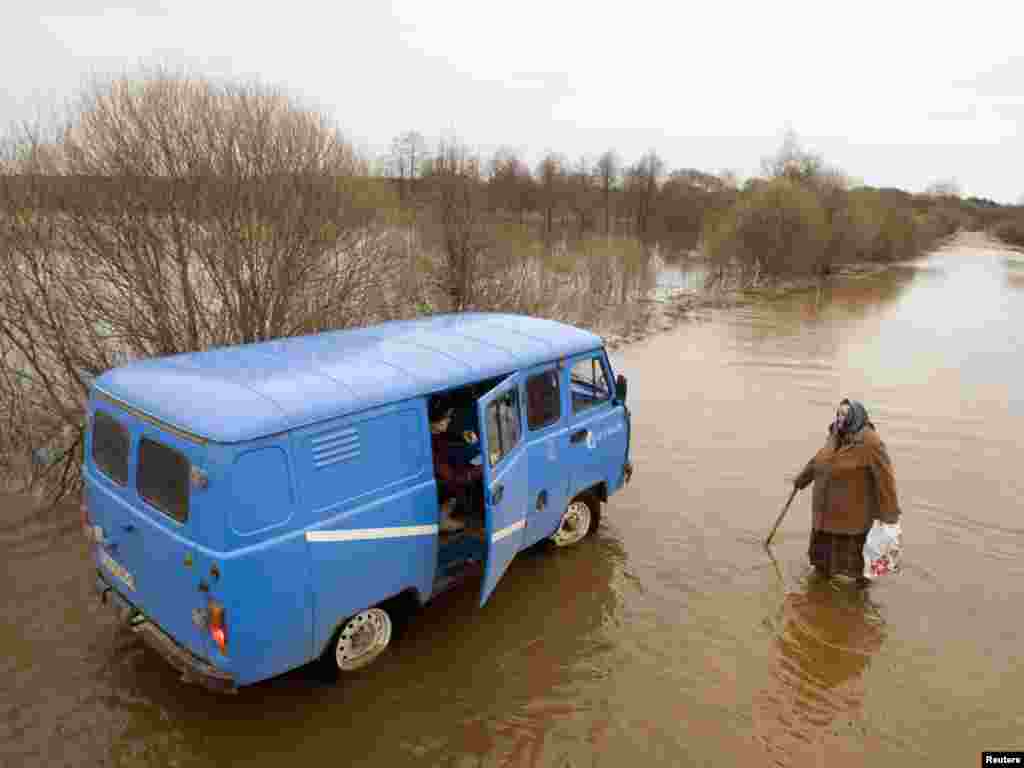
[502, 426]
[543, 402]
[163, 479]
[589, 384]
[110, 447]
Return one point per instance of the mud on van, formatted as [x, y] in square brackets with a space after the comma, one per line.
[254, 508]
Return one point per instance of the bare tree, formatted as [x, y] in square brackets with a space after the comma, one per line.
[607, 173]
[683, 202]
[405, 161]
[510, 184]
[173, 215]
[551, 183]
[458, 197]
[947, 188]
[581, 195]
[792, 161]
[642, 185]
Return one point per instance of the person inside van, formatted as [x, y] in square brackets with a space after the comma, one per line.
[457, 480]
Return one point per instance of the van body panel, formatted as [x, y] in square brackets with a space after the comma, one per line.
[548, 448]
[351, 460]
[261, 491]
[370, 554]
[506, 483]
[268, 608]
[597, 435]
[369, 505]
[160, 556]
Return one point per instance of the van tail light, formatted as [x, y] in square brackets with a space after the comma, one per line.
[218, 625]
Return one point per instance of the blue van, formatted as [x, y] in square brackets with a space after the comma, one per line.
[254, 508]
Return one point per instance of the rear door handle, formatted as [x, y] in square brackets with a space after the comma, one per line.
[579, 437]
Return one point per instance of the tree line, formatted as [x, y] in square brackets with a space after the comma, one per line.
[169, 214]
[799, 217]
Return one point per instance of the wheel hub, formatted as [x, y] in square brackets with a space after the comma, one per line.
[363, 638]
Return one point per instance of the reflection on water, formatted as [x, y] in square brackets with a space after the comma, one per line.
[827, 636]
[669, 638]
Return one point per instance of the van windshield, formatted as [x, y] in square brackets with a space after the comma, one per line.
[163, 479]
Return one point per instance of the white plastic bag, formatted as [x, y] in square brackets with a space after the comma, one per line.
[883, 550]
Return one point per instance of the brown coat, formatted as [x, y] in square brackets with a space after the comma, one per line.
[854, 484]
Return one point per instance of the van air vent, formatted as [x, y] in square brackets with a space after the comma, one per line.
[334, 447]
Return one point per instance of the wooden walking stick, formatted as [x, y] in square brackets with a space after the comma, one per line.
[782, 514]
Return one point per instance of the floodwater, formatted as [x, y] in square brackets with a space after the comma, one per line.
[671, 637]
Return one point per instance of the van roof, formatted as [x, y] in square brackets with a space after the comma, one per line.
[232, 394]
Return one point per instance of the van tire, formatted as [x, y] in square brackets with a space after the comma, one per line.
[580, 519]
[359, 641]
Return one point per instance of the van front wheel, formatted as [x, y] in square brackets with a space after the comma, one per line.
[362, 639]
[579, 519]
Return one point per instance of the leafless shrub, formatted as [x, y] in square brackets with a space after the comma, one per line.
[173, 215]
[459, 223]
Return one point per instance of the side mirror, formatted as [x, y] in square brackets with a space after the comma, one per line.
[620, 388]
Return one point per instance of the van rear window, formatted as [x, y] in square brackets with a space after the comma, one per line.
[110, 447]
[163, 479]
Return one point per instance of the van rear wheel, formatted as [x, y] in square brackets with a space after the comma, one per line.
[361, 639]
[579, 520]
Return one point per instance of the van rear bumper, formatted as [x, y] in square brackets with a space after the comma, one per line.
[193, 669]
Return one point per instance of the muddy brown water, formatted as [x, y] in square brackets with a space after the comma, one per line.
[670, 637]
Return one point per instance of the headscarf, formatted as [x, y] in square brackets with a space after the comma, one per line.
[856, 418]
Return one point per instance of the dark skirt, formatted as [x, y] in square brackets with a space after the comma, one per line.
[837, 553]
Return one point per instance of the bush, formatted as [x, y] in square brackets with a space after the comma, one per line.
[172, 215]
[1010, 231]
[775, 228]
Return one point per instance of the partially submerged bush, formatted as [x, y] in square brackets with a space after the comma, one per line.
[804, 220]
[776, 227]
[1010, 230]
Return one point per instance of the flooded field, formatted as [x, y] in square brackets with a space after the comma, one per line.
[671, 637]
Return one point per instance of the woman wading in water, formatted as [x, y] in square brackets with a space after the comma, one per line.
[854, 485]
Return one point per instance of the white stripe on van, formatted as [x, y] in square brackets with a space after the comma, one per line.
[363, 534]
[508, 531]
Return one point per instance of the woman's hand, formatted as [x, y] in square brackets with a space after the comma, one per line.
[470, 437]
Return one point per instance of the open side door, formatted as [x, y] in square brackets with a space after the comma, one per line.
[506, 486]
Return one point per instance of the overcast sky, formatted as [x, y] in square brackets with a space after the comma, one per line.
[896, 93]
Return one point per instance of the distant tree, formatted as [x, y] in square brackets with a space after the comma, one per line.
[642, 184]
[607, 175]
[947, 188]
[792, 162]
[551, 177]
[686, 197]
[509, 183]
[405, 161]
[982, 202]
[458, 197]
[581, 195]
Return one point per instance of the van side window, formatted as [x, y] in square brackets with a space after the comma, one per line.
[589, 385]
[163, 479]
[502, 425]
[110, 447]
[543, 403]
